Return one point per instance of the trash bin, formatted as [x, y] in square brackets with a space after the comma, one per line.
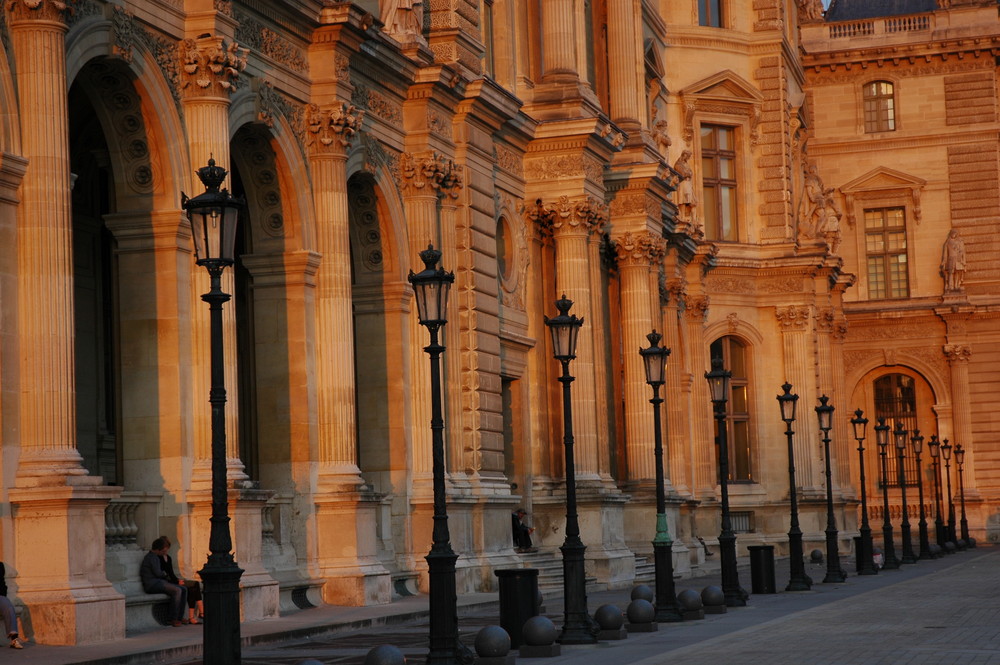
[518, 598]
[857, 554]
[762, 568]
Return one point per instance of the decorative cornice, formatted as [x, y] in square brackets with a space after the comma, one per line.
[211, 66]
[331, 129]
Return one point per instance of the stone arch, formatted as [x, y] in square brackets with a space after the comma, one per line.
[736, 327]
[370, 158]
[938, 383]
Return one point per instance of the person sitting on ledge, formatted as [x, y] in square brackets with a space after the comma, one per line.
[155, 580]
[521, 531]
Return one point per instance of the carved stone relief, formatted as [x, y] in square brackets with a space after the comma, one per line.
[429, 171]
[332, 128]
[377, 104]
[259, 38]
[792, 318]
[211, 66]
[639, 249]
[258, 168]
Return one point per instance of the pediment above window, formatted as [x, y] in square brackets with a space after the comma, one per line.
[882, 182]
[724, 93]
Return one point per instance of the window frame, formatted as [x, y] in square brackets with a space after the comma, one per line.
[879, 125]
[719, 183]
[706, 18]
[885, 231]
[911, 422]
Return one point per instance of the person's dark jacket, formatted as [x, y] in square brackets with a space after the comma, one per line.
[151, 572]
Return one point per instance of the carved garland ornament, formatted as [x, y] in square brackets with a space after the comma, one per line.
[261, 39]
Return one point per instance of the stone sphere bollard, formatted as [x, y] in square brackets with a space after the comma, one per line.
[714, 600]
[609, 617]
[492, 642]
[644, 592]
[641, 616]
[816, 556]
[935, 549]
[539, 631]
[689, 600]
[385, 654]
[949, 547]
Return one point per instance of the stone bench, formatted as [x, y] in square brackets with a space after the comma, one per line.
[146, 611]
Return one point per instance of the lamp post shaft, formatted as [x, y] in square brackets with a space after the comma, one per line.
[951, 504]
[735, 595]
[905, 525]
[798, 580]
[667, 608]
[445, 648]
[961, 494]
[939, 532]
[866, 563]
[834, 571]
[220, 574]
[925, 541]
[889, 549]
[578, 627]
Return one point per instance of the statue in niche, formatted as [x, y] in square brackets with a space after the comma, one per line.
[953, 262]
[403, 19]
[686, 201]
[819, 214]
[810, 11]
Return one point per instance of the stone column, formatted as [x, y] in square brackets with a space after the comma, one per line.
[210, 69]
[635, 253]
[958, 361]
[346, 512]
[678, 404]
[58, 510]
[800, 371]
[558, 42]
[704, 452]
[625, 65]
[573, 222]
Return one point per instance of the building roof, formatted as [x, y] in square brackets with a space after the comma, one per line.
[850, 10]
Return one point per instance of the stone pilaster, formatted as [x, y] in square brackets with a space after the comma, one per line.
[703, 450]
[625, 66]
[796, 336]
[637, 254]
[58, 510]
[958, 356]
[210, 70]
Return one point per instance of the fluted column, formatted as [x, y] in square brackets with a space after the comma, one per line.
[958, 361]
[680, 395]
[796, 337]
[58, 509]
[558, 42]
[45, 246]
[573, 222]
[625, 64]
[330, 132]
[703, 451]
[635, 254]
[210, 69]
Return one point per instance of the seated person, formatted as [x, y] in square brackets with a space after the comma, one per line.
[521, 531]
[196, 609]
[155, 580]
[7, 612]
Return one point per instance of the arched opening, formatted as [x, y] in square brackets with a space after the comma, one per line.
[735, 356]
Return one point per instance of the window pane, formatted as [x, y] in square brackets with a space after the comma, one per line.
[894, 217]
[875, 243]
[708, 167]
[710, 210]
[728, 214]
[873, 219]
[727, 168]
[876, 277]
[725, 138]
[707, 137]
[739, 451]
[739, 399]
[737, 359]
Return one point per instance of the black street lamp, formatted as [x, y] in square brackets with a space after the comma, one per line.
[214, 215]
[866, 563]
[899, 434]
[799, 580]
[939, 533]
[889, 549]
[718, 386]
[960, 462]
[578, 627]
[834, 572]
[667, 610]
[950, 531]
[430, 289]
[925, 543]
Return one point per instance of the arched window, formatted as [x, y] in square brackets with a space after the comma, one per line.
[736, 358]
[896, 401]
[879, 107]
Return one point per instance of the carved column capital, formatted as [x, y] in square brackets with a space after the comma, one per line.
[792, 318]
[696, 308]
[575, 215]
[957, 352]
[639, 249]
[331, 129]
[40, 10]
[429, 173]
[211, 66]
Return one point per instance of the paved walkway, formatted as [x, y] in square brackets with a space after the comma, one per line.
[933, 612]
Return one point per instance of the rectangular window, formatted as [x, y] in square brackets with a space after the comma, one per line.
[879, 107]
[885, 251]
[739, 444]
[718, 181]
[710, 13]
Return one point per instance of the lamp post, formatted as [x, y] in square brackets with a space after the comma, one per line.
[939, 533]
[889, 549]
[899, 435]
[946, 454]
[798, 580]
[960, 462]
[667, 610]
[718, 385]
[917, 440]
[866, 563]
[834, 572]
[214, 215]
[430, 289]
[578, 627]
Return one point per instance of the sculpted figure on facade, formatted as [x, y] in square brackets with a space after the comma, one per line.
[686, 200]
[819, 214]
[810, 11]
[953, 262]
[403, 19]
